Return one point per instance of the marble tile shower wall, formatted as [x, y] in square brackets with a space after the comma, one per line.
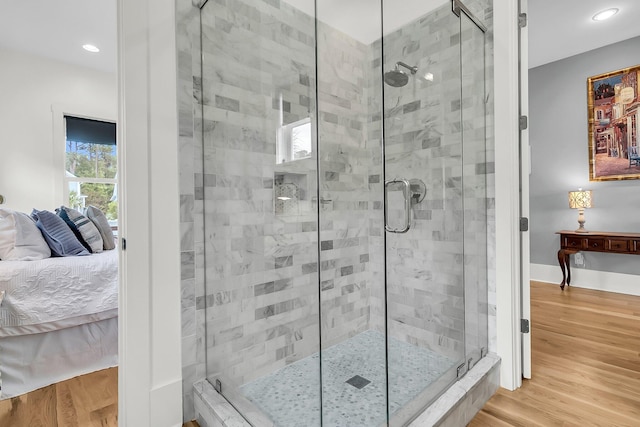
[261, 267]
[425, 303]
[350, 271]
[424, 140]
[345, 161]
[191, 207]
[475, 169]
[374, 84]
[483, 9]
[261, 299]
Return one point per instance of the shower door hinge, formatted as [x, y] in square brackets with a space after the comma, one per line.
[218, 386]
[471, 363]
[522, 20]
[123, 244]
[524, 326]
[462, 369]
[524, 224]
[524, 122]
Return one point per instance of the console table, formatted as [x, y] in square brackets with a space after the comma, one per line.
[572, 242]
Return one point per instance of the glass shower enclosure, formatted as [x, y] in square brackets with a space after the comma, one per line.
[345, 202]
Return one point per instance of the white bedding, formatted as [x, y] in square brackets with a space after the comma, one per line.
[29, 362]
[57, 293]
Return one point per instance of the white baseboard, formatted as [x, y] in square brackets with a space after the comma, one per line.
[589, 279]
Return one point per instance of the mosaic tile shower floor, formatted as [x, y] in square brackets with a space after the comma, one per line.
[290, 396]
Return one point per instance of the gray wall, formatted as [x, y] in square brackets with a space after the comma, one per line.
[560, 158]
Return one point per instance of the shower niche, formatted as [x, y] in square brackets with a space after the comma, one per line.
[291, 194]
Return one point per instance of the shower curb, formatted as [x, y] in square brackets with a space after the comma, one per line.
[456, 407]
[462, 401]
[213, 410]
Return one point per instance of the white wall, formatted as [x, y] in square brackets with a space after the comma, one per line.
[30, 86]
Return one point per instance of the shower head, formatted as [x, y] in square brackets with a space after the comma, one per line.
[397, 77]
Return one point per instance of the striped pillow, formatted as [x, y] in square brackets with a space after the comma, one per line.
[58, 235]
[84, 229]
[101, 222]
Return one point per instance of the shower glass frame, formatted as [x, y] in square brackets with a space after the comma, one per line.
[289, 216]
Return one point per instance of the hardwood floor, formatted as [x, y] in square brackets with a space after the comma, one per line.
[586, 372]
[85, 401]
[585, 363]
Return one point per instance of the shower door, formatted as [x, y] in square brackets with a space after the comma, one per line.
[351, 182]
[474, 114]
[259, 180]
[424, 203]
[402, 214]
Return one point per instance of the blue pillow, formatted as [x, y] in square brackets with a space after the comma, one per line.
[83, 228]
[58, 235]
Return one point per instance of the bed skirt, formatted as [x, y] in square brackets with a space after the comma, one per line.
[29, 362]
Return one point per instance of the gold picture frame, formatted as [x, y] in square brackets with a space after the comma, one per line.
[613, 107]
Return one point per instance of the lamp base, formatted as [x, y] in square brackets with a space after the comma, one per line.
[581, 221]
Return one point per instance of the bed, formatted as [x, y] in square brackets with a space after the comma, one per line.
[58, 319]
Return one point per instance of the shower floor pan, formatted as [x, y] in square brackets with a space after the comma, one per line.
[353, 380]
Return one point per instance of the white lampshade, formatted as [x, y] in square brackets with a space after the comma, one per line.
[580, 199]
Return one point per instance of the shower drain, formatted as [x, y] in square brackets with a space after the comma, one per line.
[357, 381]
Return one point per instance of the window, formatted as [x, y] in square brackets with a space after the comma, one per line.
[294, 141]
[91, 165]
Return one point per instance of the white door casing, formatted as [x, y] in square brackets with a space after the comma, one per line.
[150, 377]
[507, 193]
[525, 171]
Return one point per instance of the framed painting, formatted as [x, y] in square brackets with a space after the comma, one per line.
[613, 125]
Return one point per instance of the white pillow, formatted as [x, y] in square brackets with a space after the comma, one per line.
[20, 239]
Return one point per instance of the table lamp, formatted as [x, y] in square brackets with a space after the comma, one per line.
[580, 200]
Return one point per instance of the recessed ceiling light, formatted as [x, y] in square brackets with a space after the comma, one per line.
[605, 14]
[90, 48]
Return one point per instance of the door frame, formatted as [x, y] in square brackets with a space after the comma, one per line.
[525, 171]
[149, 341]
[507, 194]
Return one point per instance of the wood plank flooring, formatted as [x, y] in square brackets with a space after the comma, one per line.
[585, 363]
[586, 372]
[85, 401]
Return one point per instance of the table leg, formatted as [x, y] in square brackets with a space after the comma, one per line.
[562, 260]
[567, 261]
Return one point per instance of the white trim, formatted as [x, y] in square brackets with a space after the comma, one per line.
[507, 195]
[150, 374]
[589, 279]
[525, 158]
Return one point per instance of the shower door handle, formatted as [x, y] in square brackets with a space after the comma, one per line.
[406, 191]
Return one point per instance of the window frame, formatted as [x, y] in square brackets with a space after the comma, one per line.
[284, 141]
[61, 181]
